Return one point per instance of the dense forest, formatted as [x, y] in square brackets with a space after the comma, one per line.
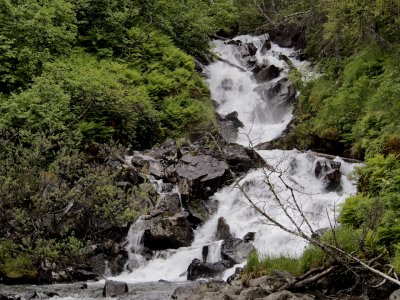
[83, 80]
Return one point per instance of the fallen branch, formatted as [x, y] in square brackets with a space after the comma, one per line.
[231, 63]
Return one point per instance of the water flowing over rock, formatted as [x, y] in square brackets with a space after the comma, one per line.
[268, 73]
[209, 169]
[329, 173]
[223, 231]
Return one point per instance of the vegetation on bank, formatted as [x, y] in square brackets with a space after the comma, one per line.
[351, 109]
[81, 80]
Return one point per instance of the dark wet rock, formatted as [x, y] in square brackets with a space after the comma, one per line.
[204, 252]
[249, 237]
[170, 202]
[287, 61]
[168, 151]
[83, 274]
[223, 230]
[242, 159]
[167, 231]
[277, 93]
[251, 61]
[84, 286]
[228, 131]
[235, 276]
[228, 126]
[198, 212]
[265, 47]
[248, 49]
[148, 165]
[196, 172]
[114, 288]
[236, 250]
[258, 67]
[328, 171]
[198, 269]
[268, 73]
[233, 117]
[234, 42]
[98, 263]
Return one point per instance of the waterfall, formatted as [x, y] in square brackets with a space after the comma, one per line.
[264, 118]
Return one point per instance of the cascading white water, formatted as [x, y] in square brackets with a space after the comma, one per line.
[261, 124]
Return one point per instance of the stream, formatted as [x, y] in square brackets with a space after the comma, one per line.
[264, 115]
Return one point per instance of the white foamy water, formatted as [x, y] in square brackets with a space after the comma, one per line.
[262, 122]
[235, 90]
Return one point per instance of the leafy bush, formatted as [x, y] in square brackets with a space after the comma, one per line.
[31, 34]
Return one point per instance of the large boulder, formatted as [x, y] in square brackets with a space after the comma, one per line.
[234, 118]
[166, 231]
[228, 126]
[253, 293]
[248, 49]
[328, 171]
[236, 250]
[148, 165]
[268, 73]
[223, 230]
[114, 288]
[242, 159]
[195, 172]
[198, 269]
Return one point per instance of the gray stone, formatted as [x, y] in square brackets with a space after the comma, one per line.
[253, 293]
[195, 172]
[268, 73]
[184, 292]
[236, 250]
[198, 269]
[249, 237]
[395, 295]
[167, 231]
[286, 295]
[328, 171]
[114, 288]
[270, 283]
[223, 230]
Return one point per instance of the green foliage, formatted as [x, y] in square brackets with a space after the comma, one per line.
[352, 108]
[104, 25]
[257, 266]
[32, 33]
[77, 77]
[376, 208]
[313, 257]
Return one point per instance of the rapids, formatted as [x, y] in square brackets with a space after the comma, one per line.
[262, 121]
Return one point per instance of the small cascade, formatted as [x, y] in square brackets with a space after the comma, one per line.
[134, 247]
[263, 106]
